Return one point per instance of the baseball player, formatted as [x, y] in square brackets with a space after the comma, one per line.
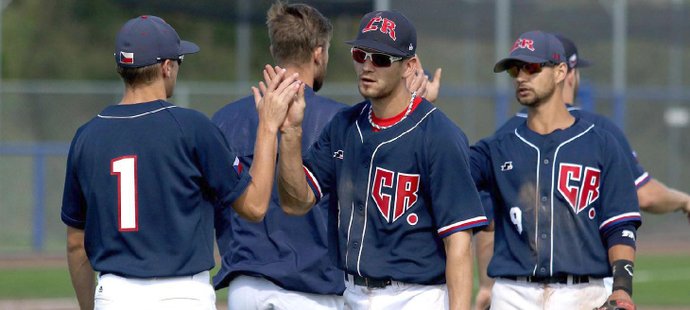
[406, 202]
[653, 196]
[143, 175]
[565, 207]
[281, 262]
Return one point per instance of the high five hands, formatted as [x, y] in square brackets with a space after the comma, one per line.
[279, 99]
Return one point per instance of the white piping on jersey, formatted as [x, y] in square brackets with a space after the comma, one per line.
[637, 214]
[137, 115]
[553, 176]
[349, 228]
[641, 178]
[361, 138]
[536, 193]
[371, 164]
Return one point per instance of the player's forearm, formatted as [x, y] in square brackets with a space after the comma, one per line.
[256, 198]
[81, 272]
[484, 247]
[655, 197]
[459, 270]
[622, 252]
[296, 197]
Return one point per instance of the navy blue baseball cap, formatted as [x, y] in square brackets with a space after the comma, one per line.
[146, 40]
[574, 60]
[388, 32]
[533, 47]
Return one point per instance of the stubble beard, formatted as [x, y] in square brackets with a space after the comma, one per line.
[538, 98]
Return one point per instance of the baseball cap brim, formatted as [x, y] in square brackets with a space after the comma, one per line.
[377, 46]
[505, 63]
[187, 47]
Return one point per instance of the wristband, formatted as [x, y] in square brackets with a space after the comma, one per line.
[623, 275]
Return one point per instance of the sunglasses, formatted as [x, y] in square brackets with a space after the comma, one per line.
[378, 59]
[179, 59]
[530, 68]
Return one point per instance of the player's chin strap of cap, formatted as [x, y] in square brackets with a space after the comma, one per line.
[623, 275]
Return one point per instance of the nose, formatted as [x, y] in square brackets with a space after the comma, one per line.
[368, 65]
[522, 75]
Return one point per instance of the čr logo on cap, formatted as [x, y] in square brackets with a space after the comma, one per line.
[523, 43]
[387, 26]
[126, 58]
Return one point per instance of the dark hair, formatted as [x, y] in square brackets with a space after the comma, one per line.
[139, 76]
[295, 30]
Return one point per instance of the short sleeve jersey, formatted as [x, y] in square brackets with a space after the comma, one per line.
[400, 191]
[291, 251]
[554, 196]
[141, 181]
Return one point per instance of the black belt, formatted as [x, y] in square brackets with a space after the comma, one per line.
[562, 279]
[369, 282]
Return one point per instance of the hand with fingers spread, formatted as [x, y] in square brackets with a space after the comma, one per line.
[425, 87]
[275, 96]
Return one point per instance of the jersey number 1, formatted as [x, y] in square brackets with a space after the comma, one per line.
[125, 168]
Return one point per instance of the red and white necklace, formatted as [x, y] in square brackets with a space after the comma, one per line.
[407, 112]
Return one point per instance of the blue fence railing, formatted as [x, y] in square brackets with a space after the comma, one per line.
[39, 152]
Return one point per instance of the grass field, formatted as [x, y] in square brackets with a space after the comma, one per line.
[659, 281]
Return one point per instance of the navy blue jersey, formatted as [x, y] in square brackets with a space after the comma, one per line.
[639, 174]
[400, 191]
[555, 195]
[141, 181]
[291, 251]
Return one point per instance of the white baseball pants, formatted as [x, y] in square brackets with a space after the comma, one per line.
[189, 292]
[510, 294]
[254, 293]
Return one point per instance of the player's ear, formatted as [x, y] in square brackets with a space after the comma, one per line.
[166, 68]
[317, 55]
[560, 72]
[411, 66]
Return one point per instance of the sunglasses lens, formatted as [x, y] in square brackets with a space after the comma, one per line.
[381, 60]
[359, 55]
[532, 68]
[513, 71]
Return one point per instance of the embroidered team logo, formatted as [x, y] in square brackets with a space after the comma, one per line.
[628, 234]
[579, 185]
[507, 166]
[338, 154]
[394, 193]
[385, 25]
[523, 43]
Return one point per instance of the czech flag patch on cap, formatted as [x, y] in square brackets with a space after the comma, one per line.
[126, 58]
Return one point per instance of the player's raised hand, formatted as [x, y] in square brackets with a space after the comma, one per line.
[295, 113]
[274, 97]
[420, 82]
[417, 83]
